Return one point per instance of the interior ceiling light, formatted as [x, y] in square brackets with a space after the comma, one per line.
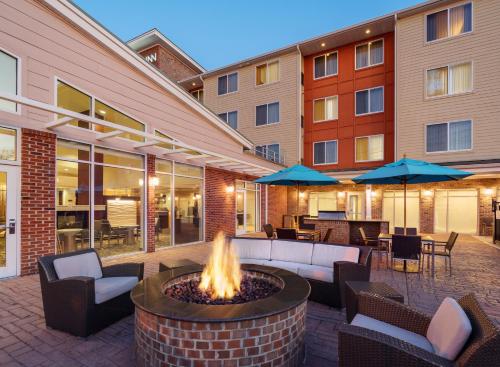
[368, 31]
[194, 83]
[323, 44]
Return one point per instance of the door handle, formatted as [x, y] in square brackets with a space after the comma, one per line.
[12, 226]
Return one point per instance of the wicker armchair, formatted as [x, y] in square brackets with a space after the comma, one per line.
[363, 347]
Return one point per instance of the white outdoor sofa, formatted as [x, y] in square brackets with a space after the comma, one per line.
[326, 266]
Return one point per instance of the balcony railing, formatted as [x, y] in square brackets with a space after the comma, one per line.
[276, 157]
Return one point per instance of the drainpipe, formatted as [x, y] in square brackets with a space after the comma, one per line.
[395, 87]
[299, 106]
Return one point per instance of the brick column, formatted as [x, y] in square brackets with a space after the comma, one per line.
[277, 205]
[427, 211]
[38, 203]
[485, 212]
[150, 203]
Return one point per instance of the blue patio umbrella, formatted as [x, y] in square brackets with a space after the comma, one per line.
[296, 176]
[410, 171]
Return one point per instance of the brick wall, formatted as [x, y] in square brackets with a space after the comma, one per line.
[38, 167]
[150, 211]
[276, 205]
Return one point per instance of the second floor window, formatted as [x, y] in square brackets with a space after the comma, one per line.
[269, 151]
[370, 101]
[267, 73]
[447, 80]
[449, 22]
[8, 80]
[198, 94]
[326, 109]
[449, 136]
[325, 65]
[325, 152]
[370, 148]
[369, 54]
[227, 84]
[267, 114]
[231, 118]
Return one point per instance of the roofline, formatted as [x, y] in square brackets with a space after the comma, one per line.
[84, 21]
[177, 49]
[421, 7]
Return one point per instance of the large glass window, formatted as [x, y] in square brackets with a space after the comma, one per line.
[267, 73]
[449, 136]
[227, 84]
[449, 22]
[325, 152]
[369, 54]
[188, 203]
[8, 80]
[393, 209]
[326, 109]
[106, 113]
[370, 148]
[8, 144]
[448, 80]
[370, 101]
[72, 99]
[325, 65]
[267, 114]
[321, 201]
[231, 118]
[455, 210]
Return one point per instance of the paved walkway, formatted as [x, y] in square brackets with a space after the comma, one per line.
[25, 341]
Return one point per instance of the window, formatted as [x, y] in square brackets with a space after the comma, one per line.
[370, 148]
[449, 22]
[227, 84]
[267, 73]
[267, 114]
[370, 101]
[369, 54]
[107, 113]
[325, 65]
[270, 152]
[72, 99]
[198, 94]
[8, 144]
[8, 80]
[393, 204]
[326, 109]
[231, 118]
[449, 80]
[323, 201]
[325, 152]
[449, 136]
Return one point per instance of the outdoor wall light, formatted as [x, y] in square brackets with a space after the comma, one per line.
[373, 194]
[141, 182]
[341, 194]
[154, 181]
[427, 193]
[488, 192]
[230, 189]
[302, 195]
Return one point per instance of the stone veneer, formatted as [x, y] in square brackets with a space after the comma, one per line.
[276, 340]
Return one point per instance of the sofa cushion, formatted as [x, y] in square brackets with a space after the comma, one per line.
[449, 329]
[111, 287]
[83, 265]
[316, 272]
[326, 255]
[394, 331]
[252, 248]
[255, 261]
[292, 251]
[287, 265]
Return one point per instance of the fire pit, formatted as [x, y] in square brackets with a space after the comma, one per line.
[261, 321]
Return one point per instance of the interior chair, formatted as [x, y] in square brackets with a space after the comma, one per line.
[327, 234]
[286, 233]
[80, 296]
[268, 228]
[406, 248]
[443, 248]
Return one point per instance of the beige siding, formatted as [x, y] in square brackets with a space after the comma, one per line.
[482, 105]
[249, 96]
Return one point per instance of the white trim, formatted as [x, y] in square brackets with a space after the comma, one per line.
[437, 40]
[449, 83]
[324, 99]
[369, 139]
[227, 84]
[369, 43]
[369, 101]
[325, 55]
[326, 163]
[17, 161]
[448, 137]
[18, 80]
[266, 63]
[267, 114]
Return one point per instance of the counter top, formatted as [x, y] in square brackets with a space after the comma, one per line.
[349, 220]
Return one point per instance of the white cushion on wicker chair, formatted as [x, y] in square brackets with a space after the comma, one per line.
[250, 248]
[449, 329]
[82, 265]
[394, 331]
[292, 251]
[111, 287]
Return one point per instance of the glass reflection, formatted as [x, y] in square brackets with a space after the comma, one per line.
[163, 204]
[188, 210]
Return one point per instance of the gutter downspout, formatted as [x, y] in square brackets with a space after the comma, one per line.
[299, 107]
[396, 83]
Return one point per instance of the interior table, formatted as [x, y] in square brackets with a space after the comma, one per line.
[69, 235]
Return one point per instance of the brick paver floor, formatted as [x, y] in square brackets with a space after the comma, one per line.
[25, 341]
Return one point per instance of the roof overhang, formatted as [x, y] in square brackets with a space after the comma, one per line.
[422, 7]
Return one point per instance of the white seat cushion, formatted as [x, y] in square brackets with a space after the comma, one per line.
[108, 288]
[449, 329]
[292, 251]
[255, 261]
[83, 265]
[326, 255]
[394, 331]
[316, 272]
[287, 265]
[251, 248]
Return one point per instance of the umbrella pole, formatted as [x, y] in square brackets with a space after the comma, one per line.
[404, 206]
[297, 209]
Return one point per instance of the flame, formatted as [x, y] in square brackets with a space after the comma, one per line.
[222, 274]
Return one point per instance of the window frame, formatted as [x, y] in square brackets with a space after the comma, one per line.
[369, 137]
[267, 114]
[18, 80]
[227, 83]
[448, 137]
[267, 72]
[449, 66]
[324, 56]
[324, 142]
[17, 161]
[267, 148]
[448, 22]
[369, 54]
[369, 101]
[227, 117]
[325, 98]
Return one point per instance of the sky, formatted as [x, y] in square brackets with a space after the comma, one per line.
[217, 33]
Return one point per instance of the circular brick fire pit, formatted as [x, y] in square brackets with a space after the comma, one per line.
[170, 332]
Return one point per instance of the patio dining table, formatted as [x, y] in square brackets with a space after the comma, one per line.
[426, 239]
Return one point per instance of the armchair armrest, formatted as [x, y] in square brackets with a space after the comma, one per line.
[74, 294]
[346, 270]
[393, 313]
[124, 270]
[356, 344]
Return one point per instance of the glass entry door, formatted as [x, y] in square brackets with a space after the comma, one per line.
[355, 205]
[247, 208]
[8, 220]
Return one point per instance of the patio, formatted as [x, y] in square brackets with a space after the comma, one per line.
[25, 341]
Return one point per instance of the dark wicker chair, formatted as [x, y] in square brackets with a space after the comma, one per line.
[406, 248]
[443, 249]
[268, 228]
[367, 241]
[286, 233]
[327, 234]
[69, 304]
[360, 347]
[410, 231]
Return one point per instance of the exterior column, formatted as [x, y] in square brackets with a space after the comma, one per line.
[38, 202]
[150, 203]
[427, 210]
